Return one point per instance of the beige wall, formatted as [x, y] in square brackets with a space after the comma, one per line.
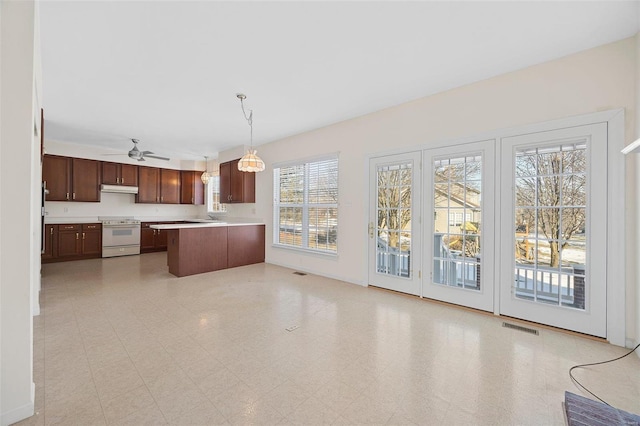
[598, 79]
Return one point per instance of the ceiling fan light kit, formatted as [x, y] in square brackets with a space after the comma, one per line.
[250, 162]
[136, 154]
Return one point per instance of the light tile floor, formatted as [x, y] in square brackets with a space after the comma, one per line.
[121, 341]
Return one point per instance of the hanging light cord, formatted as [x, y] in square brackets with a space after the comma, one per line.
[249, 119]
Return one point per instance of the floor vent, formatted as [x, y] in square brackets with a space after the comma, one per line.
[520, 328]
[299, 273]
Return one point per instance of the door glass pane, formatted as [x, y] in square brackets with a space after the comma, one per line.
[393, 248]
[550, 221]
[457, 221]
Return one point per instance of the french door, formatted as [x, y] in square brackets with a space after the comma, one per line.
[394, 222]
[459, 229]
[553, 228]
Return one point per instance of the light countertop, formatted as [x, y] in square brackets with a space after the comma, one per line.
[207, 224]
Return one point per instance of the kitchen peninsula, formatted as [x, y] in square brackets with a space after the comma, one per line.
[195, 248]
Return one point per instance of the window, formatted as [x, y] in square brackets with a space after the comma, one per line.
[306, 205]
[213, 195]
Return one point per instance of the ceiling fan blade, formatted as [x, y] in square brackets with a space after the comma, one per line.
[146, 152]
[157, 157]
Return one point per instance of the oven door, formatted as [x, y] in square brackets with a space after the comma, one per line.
[120, 235]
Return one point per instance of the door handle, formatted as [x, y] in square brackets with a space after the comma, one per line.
[67, 195]
[77, 236]
[74, 195]
[51, 231]
[83, 235]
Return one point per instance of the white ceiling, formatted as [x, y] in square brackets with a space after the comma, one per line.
[168, 72]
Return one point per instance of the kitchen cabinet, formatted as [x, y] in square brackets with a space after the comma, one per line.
[236, 186]
[245, 245]
[50, 248]
[71, 179]
[91, 239]
[160, 186]
[69, 244]
[211, 248]
[148, 190]
[56, 176]
[119, 174]
[72, 242]
[152, 239]
[191, 187]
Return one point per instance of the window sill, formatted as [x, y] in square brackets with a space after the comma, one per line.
[306, 251]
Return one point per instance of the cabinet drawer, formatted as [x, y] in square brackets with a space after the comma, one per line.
[91, 226]
[69, 227]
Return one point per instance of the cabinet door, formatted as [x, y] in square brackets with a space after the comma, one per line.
[148, 191]
[69, 243]
[110, 173]
[86, 180]
[92, 239]
[49, 251]
[243, 185]
[56, 174]
[191, 187]
[225, 182]
[128, 175]
[161, 239]
[245, 245]
[169, 186]
[147, 237]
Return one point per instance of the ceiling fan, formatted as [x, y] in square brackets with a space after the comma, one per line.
[136, 154]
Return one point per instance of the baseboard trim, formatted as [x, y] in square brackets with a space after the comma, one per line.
[312, 272]
[20, 413]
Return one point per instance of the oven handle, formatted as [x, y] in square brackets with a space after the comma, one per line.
[121, 226]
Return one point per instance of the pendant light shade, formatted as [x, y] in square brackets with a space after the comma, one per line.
[250, 162]
[206, 175]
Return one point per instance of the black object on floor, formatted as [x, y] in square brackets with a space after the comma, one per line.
[584, 411]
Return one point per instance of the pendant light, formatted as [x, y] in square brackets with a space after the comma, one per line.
[206, 175]
[250, 162]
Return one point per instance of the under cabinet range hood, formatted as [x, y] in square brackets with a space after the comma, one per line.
[119, 189]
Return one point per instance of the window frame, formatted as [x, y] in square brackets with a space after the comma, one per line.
[305, 205]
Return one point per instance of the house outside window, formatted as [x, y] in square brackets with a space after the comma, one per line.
[306, 205]
[213, 195]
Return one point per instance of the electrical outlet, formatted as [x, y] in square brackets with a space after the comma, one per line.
[66, 209]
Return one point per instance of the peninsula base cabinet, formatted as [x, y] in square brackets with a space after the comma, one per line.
[204, 249]
[72, 242]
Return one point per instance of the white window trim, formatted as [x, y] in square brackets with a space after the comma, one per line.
[304, 205]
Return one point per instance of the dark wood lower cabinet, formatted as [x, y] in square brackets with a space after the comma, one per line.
[153, 239]
[245, 245]
[50, 249]
[72, 242]
[205, 249]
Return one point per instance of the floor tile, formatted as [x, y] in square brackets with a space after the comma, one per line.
[120, 341]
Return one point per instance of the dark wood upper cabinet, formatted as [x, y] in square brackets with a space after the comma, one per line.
[86, 180]
[119, 174]
[158, 185]
[148, 190]
[56, 175]
[191, 187]
[236, 186]
[169, 186]
[71, 179]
